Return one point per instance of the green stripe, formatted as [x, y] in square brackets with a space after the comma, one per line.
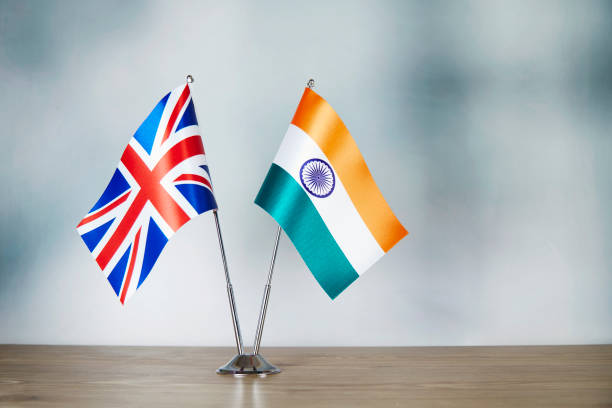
[285, 200]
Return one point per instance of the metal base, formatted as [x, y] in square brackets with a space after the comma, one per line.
[248, 364]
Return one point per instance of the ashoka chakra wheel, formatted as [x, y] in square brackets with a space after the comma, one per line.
[317, 177]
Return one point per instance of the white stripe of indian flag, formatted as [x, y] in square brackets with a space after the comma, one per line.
[337, 210]
[320, 121]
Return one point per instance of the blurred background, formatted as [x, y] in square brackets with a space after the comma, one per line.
[487, 125]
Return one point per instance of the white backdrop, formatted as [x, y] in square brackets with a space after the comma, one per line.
[486, 125]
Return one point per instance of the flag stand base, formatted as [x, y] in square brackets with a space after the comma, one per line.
[248, 364]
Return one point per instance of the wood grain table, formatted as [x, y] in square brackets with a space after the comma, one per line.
[79, 376]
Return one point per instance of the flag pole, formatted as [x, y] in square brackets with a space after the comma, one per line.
[266, 297]
[230, 289]
[254, 363]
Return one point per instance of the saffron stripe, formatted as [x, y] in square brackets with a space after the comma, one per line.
[319, 120]
[106, 210]
[177, 108]
[128, 278]
[288, 204]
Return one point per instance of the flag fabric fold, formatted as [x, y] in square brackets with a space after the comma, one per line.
[321, 192]
[161, 182]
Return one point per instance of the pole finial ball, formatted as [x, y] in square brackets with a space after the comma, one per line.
[189, 79]
[311, 83]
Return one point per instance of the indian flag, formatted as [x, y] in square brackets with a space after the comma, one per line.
[320, 191]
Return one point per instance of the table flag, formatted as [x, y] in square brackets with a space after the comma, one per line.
[320, 191]
[162, 181]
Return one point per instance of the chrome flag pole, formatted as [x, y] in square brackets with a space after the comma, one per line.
[228, 282]
[255, 363]
[266, 297]
[248, 364]
[230, 289]
[241, 364]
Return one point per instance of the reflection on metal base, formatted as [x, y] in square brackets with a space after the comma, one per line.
[248, 364]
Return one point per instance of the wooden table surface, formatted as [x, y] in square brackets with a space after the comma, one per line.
[539, 376]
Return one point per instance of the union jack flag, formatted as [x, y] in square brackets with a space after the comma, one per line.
[162, 181]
